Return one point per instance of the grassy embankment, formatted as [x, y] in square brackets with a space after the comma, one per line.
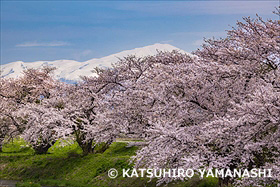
[65, 166]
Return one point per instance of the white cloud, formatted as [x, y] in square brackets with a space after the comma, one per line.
[43, 44]
[202, 7]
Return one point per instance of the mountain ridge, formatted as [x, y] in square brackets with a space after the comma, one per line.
[71, 70]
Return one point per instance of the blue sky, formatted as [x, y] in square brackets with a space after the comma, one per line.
[81, 30]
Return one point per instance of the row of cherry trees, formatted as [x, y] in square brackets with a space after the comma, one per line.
[219, 108]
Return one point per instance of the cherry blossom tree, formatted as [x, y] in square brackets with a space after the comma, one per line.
[81, 107]
[41, 124]
[124, 91]
[9, 126]
[78, 105]
[195, 115]
[248, 137]
[18, 97]
[4, 129]
[242, 136]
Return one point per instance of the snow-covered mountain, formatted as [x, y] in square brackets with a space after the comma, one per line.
[71, 70]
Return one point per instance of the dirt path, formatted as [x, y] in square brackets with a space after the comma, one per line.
[10, 183]
[7, 183]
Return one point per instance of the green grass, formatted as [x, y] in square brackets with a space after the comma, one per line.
[17, 145]
[65, 166]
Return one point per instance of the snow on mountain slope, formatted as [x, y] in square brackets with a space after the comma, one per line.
[71, 70]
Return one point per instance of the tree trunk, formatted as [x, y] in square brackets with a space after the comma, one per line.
[86, 147]
[223, 182]
[2, 138]
[42, 149]
[103, 146]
